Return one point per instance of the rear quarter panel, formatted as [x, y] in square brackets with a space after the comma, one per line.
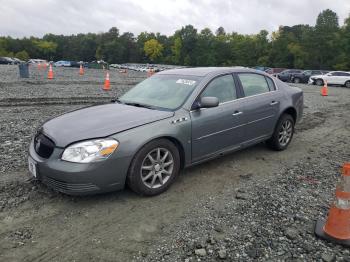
[292, 98]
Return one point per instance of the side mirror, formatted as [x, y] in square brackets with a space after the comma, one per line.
[208, 101]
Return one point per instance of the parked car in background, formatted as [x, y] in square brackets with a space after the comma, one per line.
[100, 64]
[261, 68]
[62, 63]
[274, 71]
[17, 61]
[172, 120]
[286, 75]
[74, 64]
[332, 78]
[5, 61]
[37, 61]
[114, 65]
[304, 76]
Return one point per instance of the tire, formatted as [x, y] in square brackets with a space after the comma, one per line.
[277, 142]
[148, 175]
[319, 82]
[347, 84]
[296, 80]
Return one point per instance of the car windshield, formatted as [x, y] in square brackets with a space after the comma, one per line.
[161, 91]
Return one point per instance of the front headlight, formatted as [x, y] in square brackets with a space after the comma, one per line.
[90, 151]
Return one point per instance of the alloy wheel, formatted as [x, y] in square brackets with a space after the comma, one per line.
[285, 133]
[157, 167]
[319, 82]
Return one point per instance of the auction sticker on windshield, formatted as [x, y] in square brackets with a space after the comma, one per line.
[32, 167]
[186, 82]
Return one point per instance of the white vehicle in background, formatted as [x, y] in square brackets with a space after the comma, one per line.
[332, 78]
[62, 63]
[37, 61]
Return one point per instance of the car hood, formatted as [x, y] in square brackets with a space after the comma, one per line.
[99, 121]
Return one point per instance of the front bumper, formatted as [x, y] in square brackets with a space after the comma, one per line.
[80, 178]
[311, 81]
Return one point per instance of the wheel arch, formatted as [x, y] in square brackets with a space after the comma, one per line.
[290, 111]
[179, 146]
[172, 139]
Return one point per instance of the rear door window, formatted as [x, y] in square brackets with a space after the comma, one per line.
[253, 84]
[336, 74]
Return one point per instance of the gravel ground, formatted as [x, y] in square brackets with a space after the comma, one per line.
[269, 219]
[66, 84]
[26, 103]
[255, 204]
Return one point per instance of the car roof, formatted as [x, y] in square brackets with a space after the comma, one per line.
[204, 71]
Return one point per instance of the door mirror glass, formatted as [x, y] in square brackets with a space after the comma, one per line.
[208, 102]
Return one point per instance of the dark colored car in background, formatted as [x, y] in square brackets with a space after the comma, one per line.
[172, 120]
[74, 64]
[305, 76]
[274, 71]
[286, 75]
[6, 61]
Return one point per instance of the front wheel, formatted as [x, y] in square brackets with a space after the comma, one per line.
[296, 80]
[319, 82]
[283, 133]
[154, 168]
[347, 84]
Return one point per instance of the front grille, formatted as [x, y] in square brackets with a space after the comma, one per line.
[68, 187]
[43, 145]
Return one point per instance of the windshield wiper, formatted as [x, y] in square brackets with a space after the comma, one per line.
[138, 105]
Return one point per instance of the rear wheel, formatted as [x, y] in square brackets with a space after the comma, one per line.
[154, 168]
[283, 133]
[347, 84]
[319, 82]
[296, 80]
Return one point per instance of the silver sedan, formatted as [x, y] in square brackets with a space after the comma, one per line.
[172, 120]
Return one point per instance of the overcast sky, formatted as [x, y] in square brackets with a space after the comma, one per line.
[20, 18]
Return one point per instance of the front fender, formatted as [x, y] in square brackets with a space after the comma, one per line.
[131, 141]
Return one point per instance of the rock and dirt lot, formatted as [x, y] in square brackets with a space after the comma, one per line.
[255, 204]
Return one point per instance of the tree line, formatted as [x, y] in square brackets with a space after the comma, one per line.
[323, 46]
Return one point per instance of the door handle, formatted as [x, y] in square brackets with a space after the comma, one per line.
[274, 103]
[237, 113]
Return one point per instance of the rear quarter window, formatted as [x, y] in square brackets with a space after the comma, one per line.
[270, 83]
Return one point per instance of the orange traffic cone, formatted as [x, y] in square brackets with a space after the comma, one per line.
[107, 85]
[324, 89]
[337, 227]
[50, 73]
[81, 70]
